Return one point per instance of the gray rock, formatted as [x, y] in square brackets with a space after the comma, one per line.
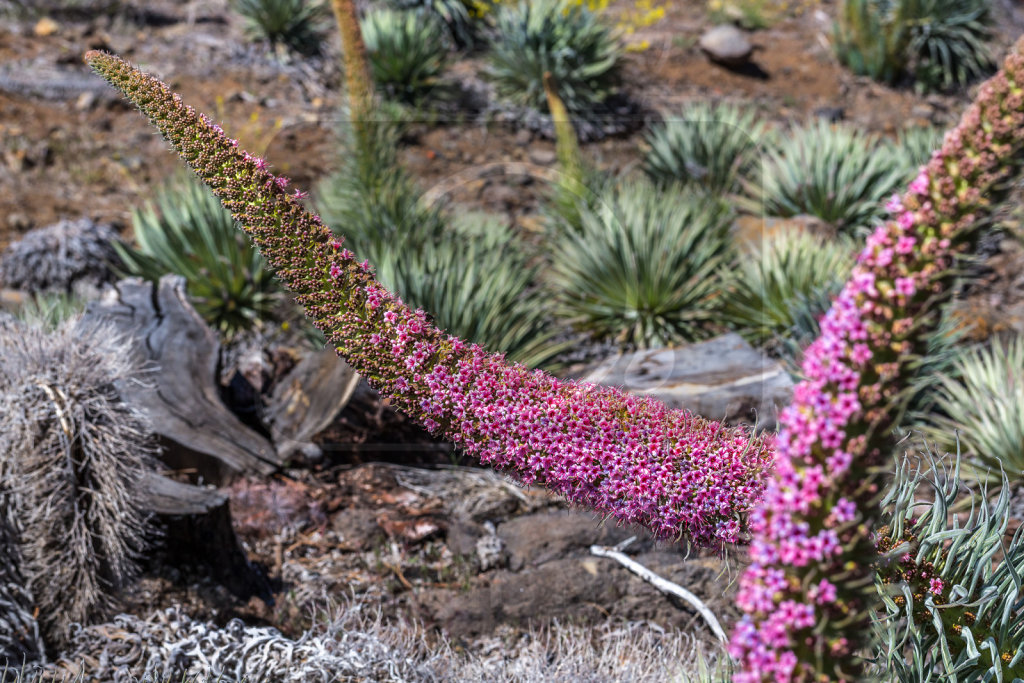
[357, 529]
[542, 156]
[535, 539]
[722, 378]
[726, 45]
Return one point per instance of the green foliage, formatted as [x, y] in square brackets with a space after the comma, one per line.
[972, 629]
[835, 173]
[982, 400]
[708, 146]
[371, 200]
[478, 283]
[49, 310]
[556, 36]
[294, 24]
[186, 231]
[790, 279]
[915, 145]
[644, 268]
[457, 15]
[473, 279]
[941, 43]
[407, 52]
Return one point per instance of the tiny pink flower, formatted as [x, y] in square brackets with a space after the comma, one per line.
[905, 286]
[935, 586]
[920, 183]
[335, 270]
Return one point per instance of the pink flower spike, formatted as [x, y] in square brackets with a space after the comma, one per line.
[281, 181]
[261, 163]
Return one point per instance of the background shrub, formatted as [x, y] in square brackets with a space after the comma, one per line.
[478, 283]
[786, 284]
[186, 231]
[68, 256]
[915, 145]
[644, 268]
[940, 43]
[556, 36]
[407, 52]
[73, 458]
[707, 146]
[371, 201]
[458, 16]
[981, 401]
[835, 173]
[294, 24]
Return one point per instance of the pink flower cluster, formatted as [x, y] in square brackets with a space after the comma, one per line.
[812, 529]
[624, 456]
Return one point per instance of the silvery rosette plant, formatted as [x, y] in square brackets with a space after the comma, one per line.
[948, 603]
[808, 594]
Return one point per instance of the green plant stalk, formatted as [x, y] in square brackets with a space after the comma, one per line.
[571, 188]
[358, 80]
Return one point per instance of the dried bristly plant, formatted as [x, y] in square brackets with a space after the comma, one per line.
[20, 640]
[73, 458]
[66, 257]
[353, 643]
[950, 584]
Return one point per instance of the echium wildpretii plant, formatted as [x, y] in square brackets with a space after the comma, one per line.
[808, 593]
[629, 457]
[946, 602]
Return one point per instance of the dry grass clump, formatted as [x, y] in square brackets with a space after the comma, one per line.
[353, 644]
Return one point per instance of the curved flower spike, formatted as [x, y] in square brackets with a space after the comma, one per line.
[809, 592]
[632, 458]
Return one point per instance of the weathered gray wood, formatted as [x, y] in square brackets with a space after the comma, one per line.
[197, 531]
[306, 400]
[169, 497]
[182, 398]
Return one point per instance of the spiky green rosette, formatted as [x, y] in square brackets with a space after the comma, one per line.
[629, 457]
[809, 594]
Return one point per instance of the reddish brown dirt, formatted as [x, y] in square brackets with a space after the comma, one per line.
[72, 157]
